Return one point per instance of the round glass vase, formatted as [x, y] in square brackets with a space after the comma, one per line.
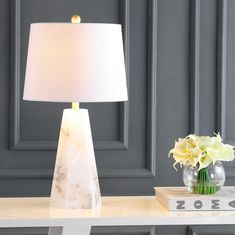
[206, 181]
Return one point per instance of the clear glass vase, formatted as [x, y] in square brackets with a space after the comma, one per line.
[206, 181]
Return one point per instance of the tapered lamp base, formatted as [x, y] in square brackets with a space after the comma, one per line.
[75, 183]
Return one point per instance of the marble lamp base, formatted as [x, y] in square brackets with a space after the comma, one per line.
[75, 183]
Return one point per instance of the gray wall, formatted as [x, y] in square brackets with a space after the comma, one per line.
[180, 57]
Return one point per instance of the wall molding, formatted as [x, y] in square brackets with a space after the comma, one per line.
[152, 87]
[211, 230]
[221, 68]
[194, 92]
[147, 230]
[222, 8]
[194, 84]
[16, 144]
[124, 106]
[221, 72]
[24, 231]
[47, 173]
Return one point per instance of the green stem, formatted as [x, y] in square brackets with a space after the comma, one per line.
[204, 185]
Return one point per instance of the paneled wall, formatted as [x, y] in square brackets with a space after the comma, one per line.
[180, 57]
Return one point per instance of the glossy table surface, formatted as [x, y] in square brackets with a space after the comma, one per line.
[141, 210]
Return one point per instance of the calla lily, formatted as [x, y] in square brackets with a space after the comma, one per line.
[204, 161]
[201, 150]
[185, 152]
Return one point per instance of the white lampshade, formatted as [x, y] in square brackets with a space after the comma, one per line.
[75, 62]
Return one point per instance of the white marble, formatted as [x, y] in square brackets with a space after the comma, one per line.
[75, 183]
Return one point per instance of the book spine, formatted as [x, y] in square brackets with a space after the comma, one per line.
[164, 200]
[200, 204]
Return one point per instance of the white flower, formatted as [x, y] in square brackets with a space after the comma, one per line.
[201, 150]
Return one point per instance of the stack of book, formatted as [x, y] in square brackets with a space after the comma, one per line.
[180, 199]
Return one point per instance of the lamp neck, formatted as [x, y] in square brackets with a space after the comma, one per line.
[75, 105]
[76, 19]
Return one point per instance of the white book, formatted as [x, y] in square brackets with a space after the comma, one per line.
[180, 199]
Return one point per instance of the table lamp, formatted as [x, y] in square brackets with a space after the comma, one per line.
[75, 62]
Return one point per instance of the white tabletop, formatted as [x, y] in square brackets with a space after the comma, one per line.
[144, 210]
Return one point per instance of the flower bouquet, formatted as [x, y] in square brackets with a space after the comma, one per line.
[201, 156]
